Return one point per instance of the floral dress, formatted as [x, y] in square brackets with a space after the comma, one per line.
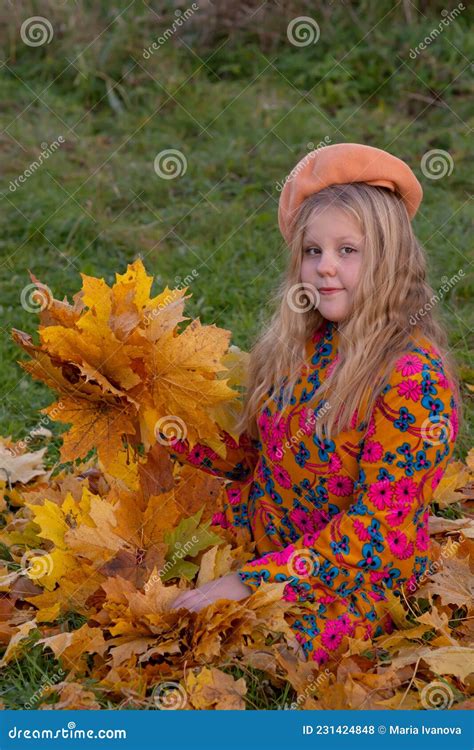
[340, 520]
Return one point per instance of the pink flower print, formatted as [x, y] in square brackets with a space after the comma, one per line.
[310, 538]
[422, 539]
[399, 545]
[327, 599]
[443, 380]
[360, 530]
[397, 513]
[437, 476]
[281, 557]
[346, 624]
[320, 656]
[307, 420]
[275, 451]
[335, 463]
[302, 519]
[373, 451]
[319, 519]
[380, 493]
[219, 519]
[332, 635]
[410, 389]
[197, 455]
[234, 494]
[410, 364]
[289, 594]
[278, 428]
[282, 477]
[340, 485]
[405, 490]
[264, 425]
[332, 365]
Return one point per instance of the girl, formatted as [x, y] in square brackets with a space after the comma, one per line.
[336, 466]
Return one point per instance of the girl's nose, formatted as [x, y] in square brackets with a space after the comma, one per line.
[327, 265]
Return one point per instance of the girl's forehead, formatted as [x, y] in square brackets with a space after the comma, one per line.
[333, 220]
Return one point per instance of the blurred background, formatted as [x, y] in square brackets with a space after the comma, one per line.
[165, 131]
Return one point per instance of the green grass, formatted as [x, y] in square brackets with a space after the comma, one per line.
[242, 108]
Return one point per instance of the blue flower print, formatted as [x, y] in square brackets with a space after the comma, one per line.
[325, 447]
[370, 561]
[421, 461]
[434, 405]
[302, 456]
[404, 420]
[341, 547]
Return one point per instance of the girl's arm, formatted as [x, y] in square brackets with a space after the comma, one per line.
[239, 464]
[382, 538]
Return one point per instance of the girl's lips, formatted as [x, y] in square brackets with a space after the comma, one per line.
[330, 291]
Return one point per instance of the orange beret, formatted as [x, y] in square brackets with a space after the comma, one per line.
[342, 163]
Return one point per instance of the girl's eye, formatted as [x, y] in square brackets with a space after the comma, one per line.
[346, 247]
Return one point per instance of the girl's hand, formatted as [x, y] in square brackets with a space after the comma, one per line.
[226, 587]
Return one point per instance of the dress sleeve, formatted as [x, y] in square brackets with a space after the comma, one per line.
[381, 539]
[239, 464]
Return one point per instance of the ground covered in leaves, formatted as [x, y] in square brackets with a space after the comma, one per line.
[96, 547]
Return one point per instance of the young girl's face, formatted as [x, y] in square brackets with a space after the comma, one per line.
[332, 257]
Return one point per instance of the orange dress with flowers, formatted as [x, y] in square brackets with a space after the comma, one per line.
[341, 520]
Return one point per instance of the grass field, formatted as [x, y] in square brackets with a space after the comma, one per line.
[242, 104]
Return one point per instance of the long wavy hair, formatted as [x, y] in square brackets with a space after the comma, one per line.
[377, 330]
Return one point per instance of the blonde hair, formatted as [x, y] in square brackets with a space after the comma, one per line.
[377, 330]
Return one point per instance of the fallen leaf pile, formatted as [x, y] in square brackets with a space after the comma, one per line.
[95, 549]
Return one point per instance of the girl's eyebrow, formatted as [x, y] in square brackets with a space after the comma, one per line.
[338, 239]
